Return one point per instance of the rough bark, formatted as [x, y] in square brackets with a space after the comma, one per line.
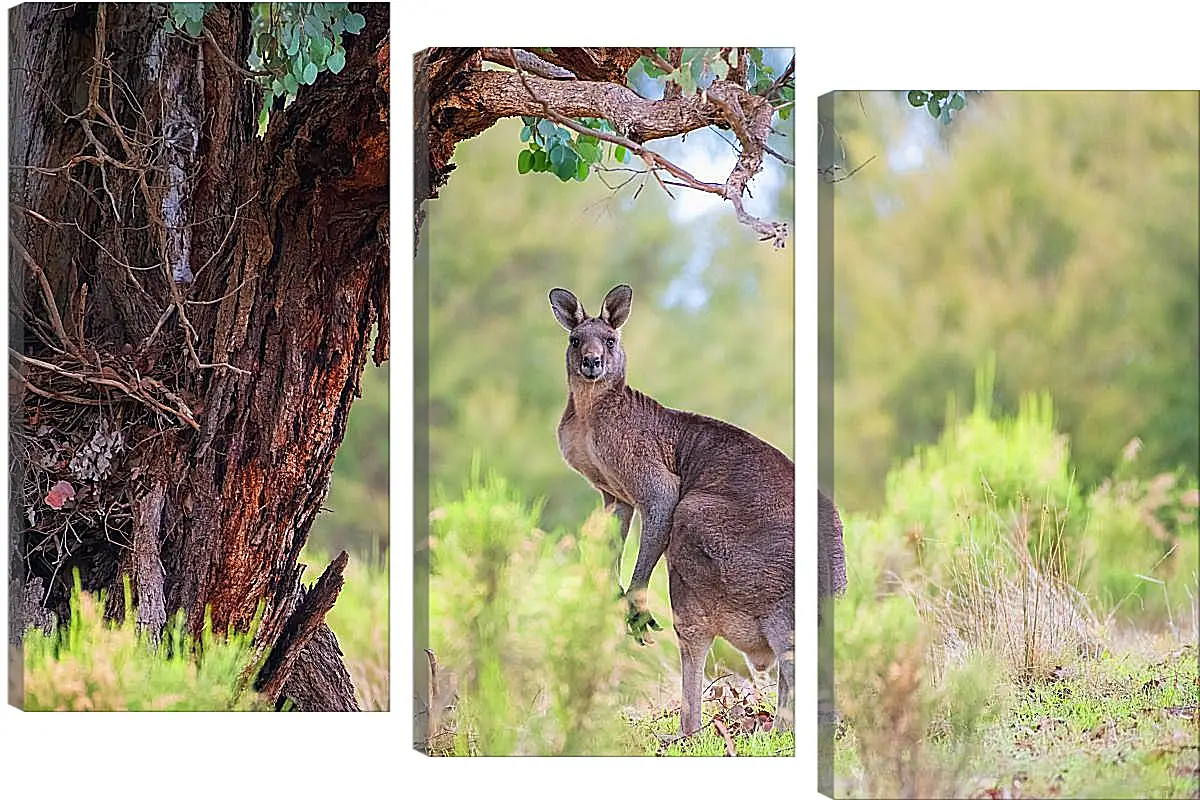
[209, 295]
[457, 99]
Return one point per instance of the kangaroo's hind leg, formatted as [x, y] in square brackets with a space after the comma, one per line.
[780, 629]
[695, 639]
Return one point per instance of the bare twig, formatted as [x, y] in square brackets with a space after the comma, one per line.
[781, 80]
[110, 378]
[830, 172]
[790, 162]
[720, 727]
[47, 294]
[657, 60]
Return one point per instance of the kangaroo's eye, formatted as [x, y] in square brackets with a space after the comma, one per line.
[611, 342]
[575, 342]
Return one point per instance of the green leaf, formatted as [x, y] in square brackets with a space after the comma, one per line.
[557, 153]
[319, 49]
[541, 161]
[290, 84]
[621, 154]
[588, 151]
[651, 69]
[194, 27]
[312, 27]
[935, 108]
[687, 83]
[336, 61]
[524, 161]
[916, 98]
[957, 102]
[526, 133]
[310, 73]
[292, 38]
[193, 11]
[581, 172]
[276, 86]
[355, 23]
[719, 68]
[548, 130]
[264, 116]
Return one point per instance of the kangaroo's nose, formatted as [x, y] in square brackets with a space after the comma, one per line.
[591, 363]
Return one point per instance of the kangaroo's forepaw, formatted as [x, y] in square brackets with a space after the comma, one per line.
[639, 623]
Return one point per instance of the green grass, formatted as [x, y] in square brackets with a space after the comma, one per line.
[1119, 726]
[97, 665]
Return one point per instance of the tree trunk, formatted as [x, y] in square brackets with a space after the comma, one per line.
[192, 308]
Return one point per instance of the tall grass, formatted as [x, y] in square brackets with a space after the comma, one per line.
[92, 664]
[988, 575]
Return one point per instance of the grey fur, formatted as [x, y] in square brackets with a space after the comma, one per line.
[715, 499]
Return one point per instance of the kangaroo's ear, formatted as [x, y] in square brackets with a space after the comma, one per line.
[617, 304]
[567, 308]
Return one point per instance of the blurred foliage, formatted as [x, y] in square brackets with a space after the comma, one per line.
[711, 329]
[994, 496]
[94, 664]
[529, 626]
[355, 514]
[1058, 230]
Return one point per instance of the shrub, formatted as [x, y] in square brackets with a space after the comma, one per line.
[529, 624]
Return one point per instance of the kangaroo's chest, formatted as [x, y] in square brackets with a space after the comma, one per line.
[586, 450]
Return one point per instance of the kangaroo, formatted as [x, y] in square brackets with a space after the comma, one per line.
[713, 498]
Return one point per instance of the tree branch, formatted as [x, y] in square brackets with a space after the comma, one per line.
[526, 61]
[730, 100]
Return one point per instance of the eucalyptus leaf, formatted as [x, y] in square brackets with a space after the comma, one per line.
[336, 61]
[355, 23]
[524, 161]
[194, 27]
[310, 73]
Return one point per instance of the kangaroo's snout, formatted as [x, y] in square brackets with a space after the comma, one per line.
[591, 367]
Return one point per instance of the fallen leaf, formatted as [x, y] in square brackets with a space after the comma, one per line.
[59, 494]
